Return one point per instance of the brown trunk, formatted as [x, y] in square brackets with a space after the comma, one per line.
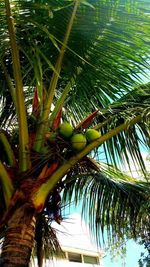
[19, 238]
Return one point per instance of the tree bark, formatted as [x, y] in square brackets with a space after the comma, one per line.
[19, 238]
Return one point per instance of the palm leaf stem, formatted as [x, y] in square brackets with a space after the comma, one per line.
[8, 150]
[102, 124]
[61, 100]
[22, 118]
[53, 84]
[6, 184]
[41, 194]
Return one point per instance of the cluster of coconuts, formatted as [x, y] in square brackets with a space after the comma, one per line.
[78, 141]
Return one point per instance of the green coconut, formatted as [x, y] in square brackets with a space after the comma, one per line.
[92, 135]
[65, 130]
[78, 141]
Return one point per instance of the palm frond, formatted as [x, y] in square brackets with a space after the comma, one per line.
[110, 53]
[47, 243]
[130, 143]
[7, 110]
[112, 202]
[106, 49]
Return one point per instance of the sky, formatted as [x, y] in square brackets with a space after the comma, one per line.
[133, 253]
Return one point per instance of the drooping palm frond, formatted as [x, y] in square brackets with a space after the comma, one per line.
[112, 202]
[47, 243]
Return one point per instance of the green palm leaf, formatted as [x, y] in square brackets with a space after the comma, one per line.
[112, 61]
[108, 201]
[47, 243]
[131, 141]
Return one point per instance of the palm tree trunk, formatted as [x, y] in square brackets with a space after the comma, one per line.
[19, 238]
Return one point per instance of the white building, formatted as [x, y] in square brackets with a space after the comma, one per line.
[76, 258]
[75, 241]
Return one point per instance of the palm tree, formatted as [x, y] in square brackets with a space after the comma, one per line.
[81, 62]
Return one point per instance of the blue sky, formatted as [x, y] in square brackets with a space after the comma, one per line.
[130, 260]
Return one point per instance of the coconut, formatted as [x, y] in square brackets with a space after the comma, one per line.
[92, 134]
[78, 141]
[65, 130]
